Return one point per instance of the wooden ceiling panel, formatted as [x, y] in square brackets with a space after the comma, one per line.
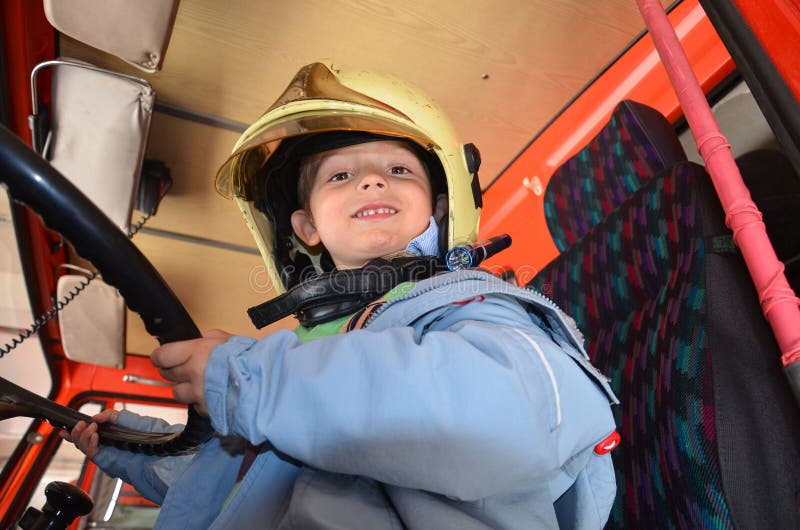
[234, 58]
[500, 68]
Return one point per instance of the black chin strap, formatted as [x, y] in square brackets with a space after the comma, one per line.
[336, 294]
[339, 293]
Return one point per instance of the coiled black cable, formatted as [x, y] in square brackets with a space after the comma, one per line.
[60, 304]
[48, 316]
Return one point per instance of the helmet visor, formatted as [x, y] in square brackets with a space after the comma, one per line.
[234, 177]
[314, 102]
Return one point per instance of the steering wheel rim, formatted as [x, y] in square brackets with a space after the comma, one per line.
[32, 181]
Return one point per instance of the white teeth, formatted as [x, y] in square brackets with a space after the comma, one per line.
[378, 211]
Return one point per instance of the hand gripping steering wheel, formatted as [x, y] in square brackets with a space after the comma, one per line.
[32, 181]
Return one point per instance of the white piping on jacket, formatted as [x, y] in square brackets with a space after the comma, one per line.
[549, 372]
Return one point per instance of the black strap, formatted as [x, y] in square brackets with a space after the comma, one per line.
[338, 293]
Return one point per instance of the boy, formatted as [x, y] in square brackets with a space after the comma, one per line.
[456, 401]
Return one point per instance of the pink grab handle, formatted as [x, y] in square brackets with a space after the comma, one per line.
[778, 302]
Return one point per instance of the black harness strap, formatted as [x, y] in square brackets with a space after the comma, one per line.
[331, 295]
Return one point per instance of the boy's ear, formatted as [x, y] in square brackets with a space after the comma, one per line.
[440, 207]
[304, 228]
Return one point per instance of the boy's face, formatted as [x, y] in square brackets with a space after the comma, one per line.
[366, 201]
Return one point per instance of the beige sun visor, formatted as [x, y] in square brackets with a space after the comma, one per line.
[100, 123]
[136, 31]
[93, 324]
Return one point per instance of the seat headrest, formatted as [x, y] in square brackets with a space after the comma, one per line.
[636, 144]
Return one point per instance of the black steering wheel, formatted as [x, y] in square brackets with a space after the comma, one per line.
[32, 181]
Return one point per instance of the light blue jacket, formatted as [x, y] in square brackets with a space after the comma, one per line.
[467, 403]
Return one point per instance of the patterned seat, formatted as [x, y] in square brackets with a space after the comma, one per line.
[709, 428]
[636, 144]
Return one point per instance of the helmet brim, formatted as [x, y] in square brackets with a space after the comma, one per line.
[234, 178]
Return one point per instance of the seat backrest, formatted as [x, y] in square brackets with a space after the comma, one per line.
[710, 431]
[636, 144]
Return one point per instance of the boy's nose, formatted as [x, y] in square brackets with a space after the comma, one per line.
[372, 181]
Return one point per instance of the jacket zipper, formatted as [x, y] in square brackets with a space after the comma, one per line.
[542, 298]
[539, 296]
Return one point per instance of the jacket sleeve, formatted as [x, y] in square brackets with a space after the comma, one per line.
[473, 402]
[150, 475]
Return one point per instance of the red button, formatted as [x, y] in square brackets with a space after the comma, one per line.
[608, 444]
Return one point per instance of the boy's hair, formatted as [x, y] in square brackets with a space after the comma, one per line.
[305, 179]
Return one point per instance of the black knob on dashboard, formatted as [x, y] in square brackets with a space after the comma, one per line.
[64, 503]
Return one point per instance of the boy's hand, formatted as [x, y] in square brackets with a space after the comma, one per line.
[184, 363]
[85, 436]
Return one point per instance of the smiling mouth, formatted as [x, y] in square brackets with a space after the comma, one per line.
[374, 211]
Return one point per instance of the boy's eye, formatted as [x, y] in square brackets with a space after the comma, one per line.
[399, 170]
[342, 175]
